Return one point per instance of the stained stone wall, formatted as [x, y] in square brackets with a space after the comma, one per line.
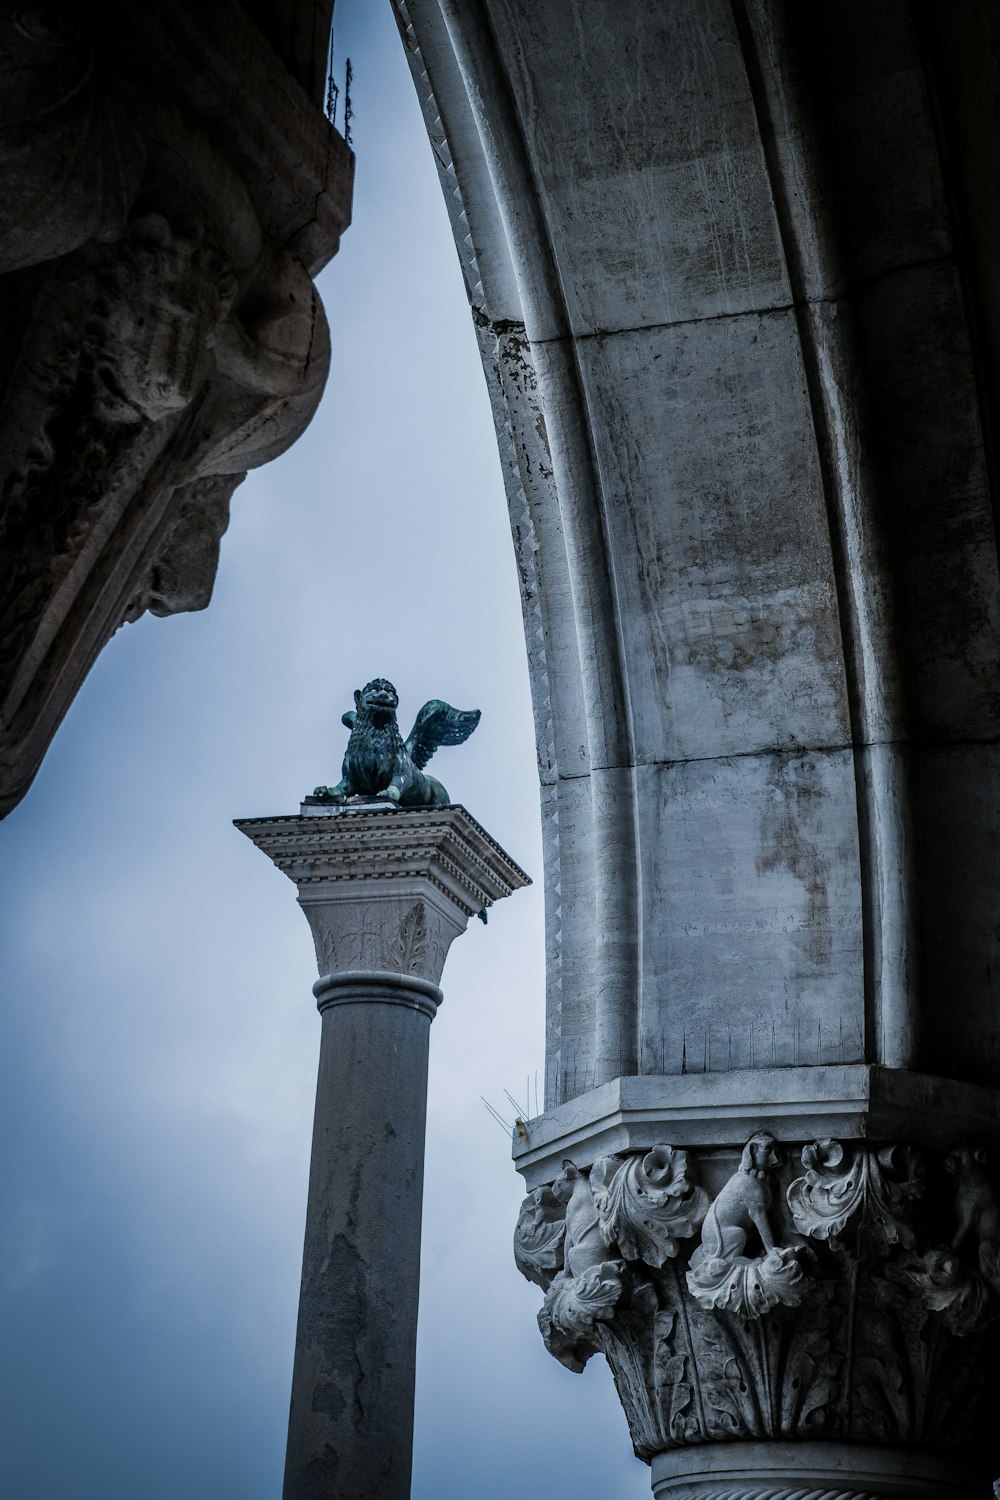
[170, 188]
[732, 263]
[727, 262]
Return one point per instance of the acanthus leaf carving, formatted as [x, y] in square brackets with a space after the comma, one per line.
[410, 946]
[717, 1343]
[629, 1342]
[675, 1381]
[963, 1299]
[573, 1307]
[360, 935]
[878, 1187]
[539, 1237]
[647, 1205]
[588, 1288]
[573, 1237]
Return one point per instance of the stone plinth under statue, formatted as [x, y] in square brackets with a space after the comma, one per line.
[386, 890]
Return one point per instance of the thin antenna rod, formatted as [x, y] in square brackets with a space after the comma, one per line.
[348, 110]
[524, 1113]
[497, 1116]
[332, 90]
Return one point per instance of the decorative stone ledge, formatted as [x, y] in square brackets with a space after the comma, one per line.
[724, 1109]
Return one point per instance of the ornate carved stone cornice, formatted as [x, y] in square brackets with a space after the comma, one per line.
[169, 192]
[386, 887]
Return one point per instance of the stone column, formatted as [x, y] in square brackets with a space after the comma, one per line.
[385, 890]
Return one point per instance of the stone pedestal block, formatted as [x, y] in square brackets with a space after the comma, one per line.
[385, 890]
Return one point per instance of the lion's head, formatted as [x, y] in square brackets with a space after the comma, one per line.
[377, 701]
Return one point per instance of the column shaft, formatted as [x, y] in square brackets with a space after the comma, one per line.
[386, 890]
[351, 1420]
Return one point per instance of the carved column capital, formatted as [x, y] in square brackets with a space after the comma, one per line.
[828, 1292]
[386, 888]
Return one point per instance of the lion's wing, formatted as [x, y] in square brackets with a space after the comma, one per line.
[439, 724]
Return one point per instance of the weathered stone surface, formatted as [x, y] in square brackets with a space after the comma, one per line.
[351, 1418]
[169, 192]
[731, 266]
[755, 956]
[726, 306]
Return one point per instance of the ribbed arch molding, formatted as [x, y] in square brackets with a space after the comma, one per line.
[718, 265]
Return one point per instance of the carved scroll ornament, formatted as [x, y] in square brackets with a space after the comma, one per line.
[878, 1188]
[648, 1204]
[803, 1302]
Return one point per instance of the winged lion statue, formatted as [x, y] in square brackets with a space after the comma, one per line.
[378, 762]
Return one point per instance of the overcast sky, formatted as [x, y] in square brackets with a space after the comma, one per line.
[158, 1037]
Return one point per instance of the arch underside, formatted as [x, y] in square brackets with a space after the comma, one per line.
[729, 266]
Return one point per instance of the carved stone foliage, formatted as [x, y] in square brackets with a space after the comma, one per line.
[875, 1189]
[574, 1239]
[841, 1292]
[961, 1280]
[162, 335]
[403, 937]
[648, 1204]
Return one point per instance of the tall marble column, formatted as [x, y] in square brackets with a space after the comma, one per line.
[386, 890]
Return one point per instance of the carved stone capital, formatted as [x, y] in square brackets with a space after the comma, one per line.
[830, 1293]
[386, 888]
